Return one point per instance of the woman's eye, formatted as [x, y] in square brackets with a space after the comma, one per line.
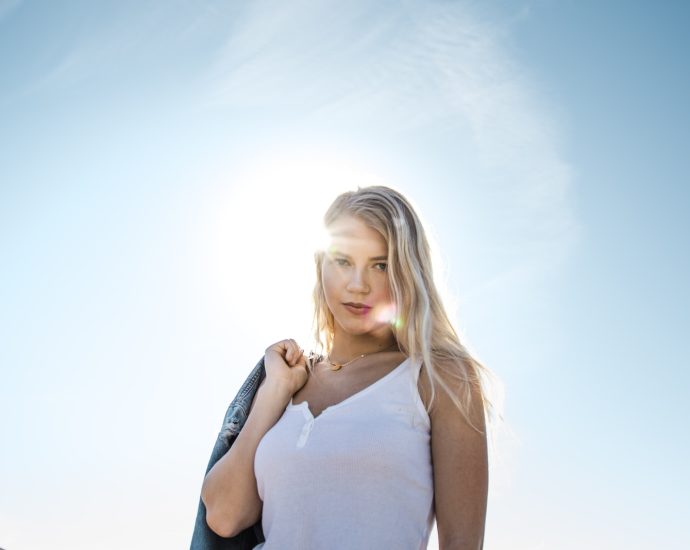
[382, 268]
[340, 261]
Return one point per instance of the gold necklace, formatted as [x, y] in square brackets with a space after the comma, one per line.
[338, 366]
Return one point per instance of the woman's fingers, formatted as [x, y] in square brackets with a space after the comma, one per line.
[302, 359]
[290, 354]
[289, 349]
[296, 351]
[281, 359]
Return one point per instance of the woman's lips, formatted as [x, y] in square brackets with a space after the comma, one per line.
[361, 310]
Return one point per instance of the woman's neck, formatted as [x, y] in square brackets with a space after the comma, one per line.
[348, 346]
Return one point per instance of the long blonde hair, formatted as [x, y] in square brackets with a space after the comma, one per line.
[421, 326]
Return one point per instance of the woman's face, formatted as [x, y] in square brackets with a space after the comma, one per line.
[355, 279]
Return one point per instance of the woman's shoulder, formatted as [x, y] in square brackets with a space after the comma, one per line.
[450, 370]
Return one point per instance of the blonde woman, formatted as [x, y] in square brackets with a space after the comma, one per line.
[367, 442]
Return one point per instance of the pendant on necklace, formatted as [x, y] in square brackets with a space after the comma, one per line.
[336, 367]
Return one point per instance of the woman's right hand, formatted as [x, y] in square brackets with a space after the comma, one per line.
[286, 365]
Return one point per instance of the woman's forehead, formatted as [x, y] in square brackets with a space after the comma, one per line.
[352, 232]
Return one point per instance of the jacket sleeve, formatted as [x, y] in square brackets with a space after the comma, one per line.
[203, 537]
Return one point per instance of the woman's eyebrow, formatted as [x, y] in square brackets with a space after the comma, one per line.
[349, 257]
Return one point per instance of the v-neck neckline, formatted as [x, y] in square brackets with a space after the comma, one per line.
[305, 404]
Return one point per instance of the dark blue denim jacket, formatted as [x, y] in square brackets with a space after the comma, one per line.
[235, 417]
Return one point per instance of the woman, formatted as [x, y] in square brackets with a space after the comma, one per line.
[361, 445]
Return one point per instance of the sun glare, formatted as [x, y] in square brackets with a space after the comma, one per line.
[268, 227]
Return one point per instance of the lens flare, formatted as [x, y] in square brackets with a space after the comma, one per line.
[387, 314]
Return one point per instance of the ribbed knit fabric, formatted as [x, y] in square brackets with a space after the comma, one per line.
[359, 475]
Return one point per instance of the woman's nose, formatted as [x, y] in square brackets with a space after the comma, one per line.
[357, 282]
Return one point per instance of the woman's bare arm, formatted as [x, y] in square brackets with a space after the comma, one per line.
[461, 476]
[229, 491]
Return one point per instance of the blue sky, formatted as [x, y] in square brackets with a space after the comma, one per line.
[163, 167]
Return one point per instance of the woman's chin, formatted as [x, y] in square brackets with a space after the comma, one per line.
[365, 328]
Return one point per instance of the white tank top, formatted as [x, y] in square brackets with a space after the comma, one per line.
[359, 475]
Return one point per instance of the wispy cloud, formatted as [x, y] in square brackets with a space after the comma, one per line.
[365, 65]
